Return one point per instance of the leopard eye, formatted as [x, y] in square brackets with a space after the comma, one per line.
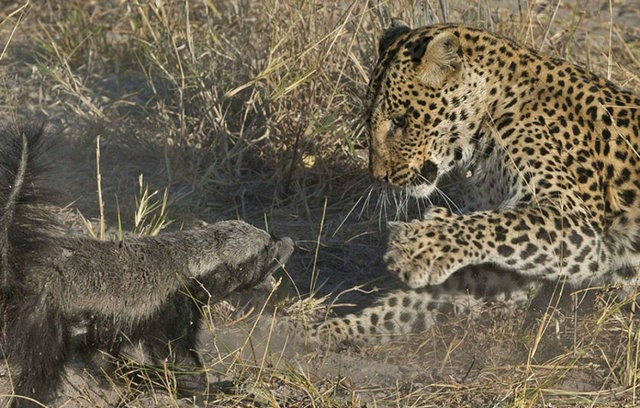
[400, 121]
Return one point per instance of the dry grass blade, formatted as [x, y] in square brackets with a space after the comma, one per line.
[20, 13]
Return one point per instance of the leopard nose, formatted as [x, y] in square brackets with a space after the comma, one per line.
[429, 171]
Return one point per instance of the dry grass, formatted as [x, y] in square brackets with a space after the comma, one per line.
[252, 109]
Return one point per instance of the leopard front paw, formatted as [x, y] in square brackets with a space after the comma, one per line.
[420, 253]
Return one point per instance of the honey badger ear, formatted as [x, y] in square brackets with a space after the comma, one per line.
[395, 29]
[442, 57]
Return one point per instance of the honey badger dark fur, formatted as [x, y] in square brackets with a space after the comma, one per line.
[132, 290]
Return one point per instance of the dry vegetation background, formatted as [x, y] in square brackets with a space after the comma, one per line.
[252, 109]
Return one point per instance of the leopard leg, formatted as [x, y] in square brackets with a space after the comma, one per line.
[402, 312]
[542, 242]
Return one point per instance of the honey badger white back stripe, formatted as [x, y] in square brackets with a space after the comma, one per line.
[9, 210]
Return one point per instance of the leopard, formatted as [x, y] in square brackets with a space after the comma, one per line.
[539, 154]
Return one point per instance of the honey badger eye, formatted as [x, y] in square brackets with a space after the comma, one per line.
[399, 121]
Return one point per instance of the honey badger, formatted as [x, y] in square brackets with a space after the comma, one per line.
[146, 290]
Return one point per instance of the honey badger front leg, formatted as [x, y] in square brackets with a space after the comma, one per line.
[534, 241]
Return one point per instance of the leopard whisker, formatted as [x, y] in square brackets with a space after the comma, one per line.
[448, 201]
[380, 207]
[400, 203]
[353, 207]
[367, 200]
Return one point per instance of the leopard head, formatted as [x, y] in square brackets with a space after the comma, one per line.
[425, 108]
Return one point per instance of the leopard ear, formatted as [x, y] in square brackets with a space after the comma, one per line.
[442, 57]
[395, 30]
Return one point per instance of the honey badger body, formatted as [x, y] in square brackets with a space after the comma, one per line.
[553, 155]
[140, 289]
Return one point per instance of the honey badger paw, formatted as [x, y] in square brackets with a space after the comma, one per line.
[426, 252]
